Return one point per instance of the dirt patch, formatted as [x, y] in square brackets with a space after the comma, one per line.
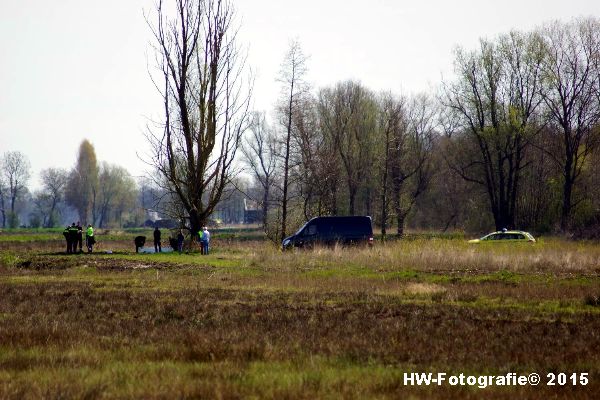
[46, 263]
[59, 263]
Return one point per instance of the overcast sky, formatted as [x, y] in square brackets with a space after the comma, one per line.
[76, 69]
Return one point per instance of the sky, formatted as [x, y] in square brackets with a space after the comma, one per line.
[78, 69]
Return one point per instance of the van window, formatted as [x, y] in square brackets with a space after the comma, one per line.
[310, 230]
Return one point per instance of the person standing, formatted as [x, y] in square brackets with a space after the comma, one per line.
[180, 239]
[79, 237]
[157, 248]
[73, 238]
[89, 238]
[205, 240]
[67, 238]
[200, 240]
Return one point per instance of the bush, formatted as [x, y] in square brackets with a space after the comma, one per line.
[13, 220]
[35, 221]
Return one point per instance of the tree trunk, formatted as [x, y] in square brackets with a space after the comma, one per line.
[265, 205]
[3, 210]
[565, 215]
[384, 215]
[286, 165]
[195, 222]
[351, 198]
[50, 215]
[401, 218]
[368, 203]
[285, 188]
[384, 202]
[384, 186]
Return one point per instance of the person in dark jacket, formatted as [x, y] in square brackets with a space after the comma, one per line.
[80, 236]
[73, 238]
[157, 248]
[67, 239]
[180, 239]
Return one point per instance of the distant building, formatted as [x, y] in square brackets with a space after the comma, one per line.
[252, 212]
[154, 219]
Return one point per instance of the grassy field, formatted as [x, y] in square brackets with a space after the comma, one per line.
[251, 322]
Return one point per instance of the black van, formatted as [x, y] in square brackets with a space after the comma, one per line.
[328, 231]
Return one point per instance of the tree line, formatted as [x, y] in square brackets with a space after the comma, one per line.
[511, 141]
[101, 194]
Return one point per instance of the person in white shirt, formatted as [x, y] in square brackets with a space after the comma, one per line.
[205, 240]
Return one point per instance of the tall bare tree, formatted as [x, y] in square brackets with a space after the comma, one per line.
[3, 200]
[392, 124]
[54, 181]
[116, 194]
[260, 153]
[291, 76]
[318, 172]
[348, 114]
[206, 99]
[571, 84]
[412, 138]
[16, 171]
[496, 99]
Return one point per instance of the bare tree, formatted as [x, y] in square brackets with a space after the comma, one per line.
[318, 172]
[348, 113]
[3, 199]
[206, 100]
[571, 84]
[54, 181]
[291, 75]
[495, 99]
[116, 194]
[412, 141]
[392, 122]
[16, 173]
[260, 153]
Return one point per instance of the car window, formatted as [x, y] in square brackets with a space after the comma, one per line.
[504, 236]
[309, 230]
[302, 229]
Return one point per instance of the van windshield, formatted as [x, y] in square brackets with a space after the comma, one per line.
[301, 229]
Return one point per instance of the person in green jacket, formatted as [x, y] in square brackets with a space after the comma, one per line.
[200, 239]
[89, 238]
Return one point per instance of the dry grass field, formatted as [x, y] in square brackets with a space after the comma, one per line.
[249, 321]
